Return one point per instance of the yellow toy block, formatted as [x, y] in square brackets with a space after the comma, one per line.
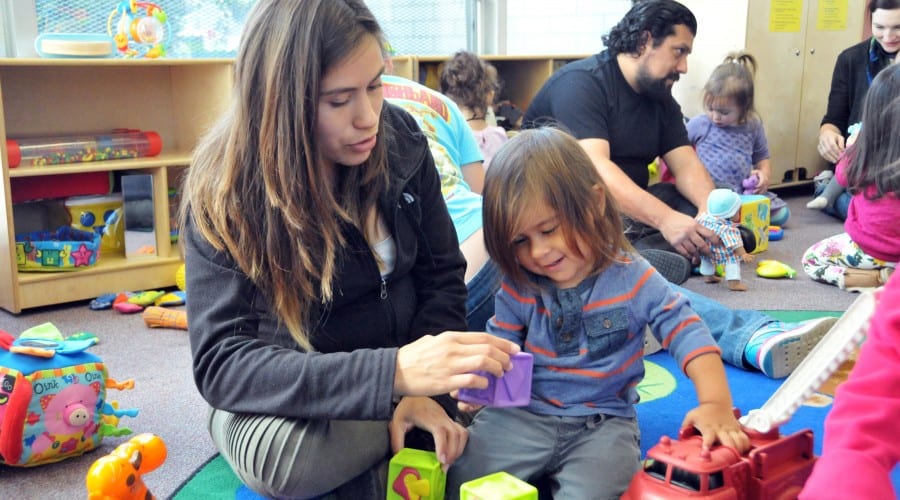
[415, 475]
[755, 212]
[497, 486]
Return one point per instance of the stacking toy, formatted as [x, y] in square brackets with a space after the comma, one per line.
[775, 233]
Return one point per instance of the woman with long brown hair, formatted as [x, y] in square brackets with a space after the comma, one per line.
[327, 292]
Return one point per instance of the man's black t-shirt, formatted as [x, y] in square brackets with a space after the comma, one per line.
[591, 99]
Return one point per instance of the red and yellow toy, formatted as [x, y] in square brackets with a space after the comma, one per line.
[140, 30]
[117, 476]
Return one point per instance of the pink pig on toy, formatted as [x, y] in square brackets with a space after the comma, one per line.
[68, 414]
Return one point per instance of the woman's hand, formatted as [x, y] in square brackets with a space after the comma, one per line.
[438, 364]
[831, 144]
[463, 406]
[425, 413]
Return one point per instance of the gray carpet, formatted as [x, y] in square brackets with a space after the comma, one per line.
[159, 362]
[804, 228]
[170, 406]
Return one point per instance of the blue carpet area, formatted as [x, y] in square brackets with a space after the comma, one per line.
[661, 412]
[663, 415]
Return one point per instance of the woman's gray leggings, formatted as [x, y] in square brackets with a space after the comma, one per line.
[289, 458]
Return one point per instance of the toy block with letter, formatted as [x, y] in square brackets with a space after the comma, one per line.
[415, 475]
[497, 486]
[512, 389]
[755, 212]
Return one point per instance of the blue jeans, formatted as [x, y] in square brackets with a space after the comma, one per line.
[480, 303]
[731, 328]
[841, 204]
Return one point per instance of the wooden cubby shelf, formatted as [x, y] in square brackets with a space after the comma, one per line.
[178, 99]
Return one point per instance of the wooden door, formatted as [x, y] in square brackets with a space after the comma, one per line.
[779, 55]
[822, 50]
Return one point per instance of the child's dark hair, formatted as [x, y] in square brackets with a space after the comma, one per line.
[469, 80]
[733, 79]
[547, 164]
[654, 18]
[875, 156]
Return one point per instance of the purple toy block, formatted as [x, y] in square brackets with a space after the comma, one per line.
[512, 389]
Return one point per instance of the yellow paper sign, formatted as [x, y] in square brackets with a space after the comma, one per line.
[785, 15]
[832, 15]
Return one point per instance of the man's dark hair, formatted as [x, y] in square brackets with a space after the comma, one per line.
[654, 18]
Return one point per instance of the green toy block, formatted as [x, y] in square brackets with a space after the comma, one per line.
[497, 486]
[416, 474]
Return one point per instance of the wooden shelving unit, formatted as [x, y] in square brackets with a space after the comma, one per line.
[522, 76]
[178, 99]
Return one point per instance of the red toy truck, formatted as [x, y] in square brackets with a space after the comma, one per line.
[775, 468]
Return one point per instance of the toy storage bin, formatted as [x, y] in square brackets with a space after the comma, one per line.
[101, 215]
[63, 249]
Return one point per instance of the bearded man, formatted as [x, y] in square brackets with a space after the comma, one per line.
[619, 105]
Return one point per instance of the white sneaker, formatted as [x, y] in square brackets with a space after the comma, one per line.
[818, 203]
[777, 348]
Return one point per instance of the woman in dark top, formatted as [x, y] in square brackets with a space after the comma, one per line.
[853, 73]
[325, 274]
[854, 70]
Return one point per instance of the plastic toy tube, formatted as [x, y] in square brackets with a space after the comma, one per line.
[40, 151]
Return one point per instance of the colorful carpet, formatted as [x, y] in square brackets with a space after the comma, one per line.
[666, 396]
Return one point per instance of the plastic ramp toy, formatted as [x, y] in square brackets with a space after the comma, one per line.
[776, 466]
